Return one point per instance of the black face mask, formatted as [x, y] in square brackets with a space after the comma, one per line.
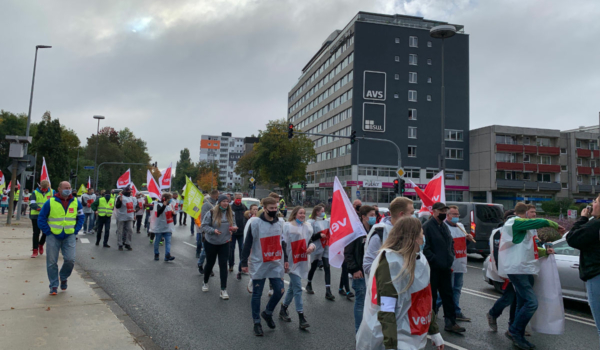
[442, 216]
[357, 207]
[272, 214]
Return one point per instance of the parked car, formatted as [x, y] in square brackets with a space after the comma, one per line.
[567, 262]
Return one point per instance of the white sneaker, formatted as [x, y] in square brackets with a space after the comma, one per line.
[270, 292]
[249, 288]
[224, 295]
[204, 287]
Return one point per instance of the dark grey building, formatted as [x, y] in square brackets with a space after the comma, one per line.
[381, 76]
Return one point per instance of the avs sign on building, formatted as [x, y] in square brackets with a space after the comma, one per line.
[374, 90]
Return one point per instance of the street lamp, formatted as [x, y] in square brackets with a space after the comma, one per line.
[99, 117]
[443, 32]
[23, 181]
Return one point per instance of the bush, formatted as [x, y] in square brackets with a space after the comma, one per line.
[554, 207]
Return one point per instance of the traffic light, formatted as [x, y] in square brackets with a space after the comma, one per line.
[290, 131]
[72, 175]
[396, 186]
[353, 137]
[402, 185]
[250, 186]
[304, 185]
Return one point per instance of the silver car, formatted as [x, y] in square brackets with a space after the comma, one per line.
[567, 262]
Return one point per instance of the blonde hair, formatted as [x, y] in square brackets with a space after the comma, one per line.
[44, 182]
[402, 239]
[217, 215]
[399, 205]
[316, 209]
[294, 213]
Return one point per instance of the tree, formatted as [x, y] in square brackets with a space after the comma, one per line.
[280, 160]
[184, 168]
[207, 181]
[10, 124]
[205, 167]
[48, 142]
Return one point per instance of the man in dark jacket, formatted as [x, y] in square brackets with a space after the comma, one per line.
[237, 236]
[439, 251]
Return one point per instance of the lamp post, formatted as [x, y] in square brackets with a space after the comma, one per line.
[443, 32]
[99, 117]
[23, 179]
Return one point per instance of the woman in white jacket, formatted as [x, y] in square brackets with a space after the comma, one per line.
[398, 310]
[296, 235]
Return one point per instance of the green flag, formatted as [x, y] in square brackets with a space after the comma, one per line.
[193, 199]
[82, 190]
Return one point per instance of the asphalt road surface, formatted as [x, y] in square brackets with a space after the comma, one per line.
[166, 302]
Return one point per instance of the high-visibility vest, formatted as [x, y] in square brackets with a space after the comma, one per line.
[60, 220]
[17, 194]
[106, 208]
[282, 205]
[41, 198]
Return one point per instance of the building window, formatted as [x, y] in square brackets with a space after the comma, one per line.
[397, 58]
[413, 41]
[412, 114]
[526, 176]
[453, 135]
[544, 142]
[412, 59]
[397, 76]
[429, 80]
[544, 177]
[397, 40]
[429, 98]
[396, 96]
[412, 132]
[412, 173]
[412, 151]
[429, 44]
[454, 175]
[509, 175]
[579, 179]
[430, 173]
[506, 139]
[563, 168]
[578, 143]
[593, 145]
[526, 140]
[563, 151]
[209, 144]
[547, 160]
[592, 163]
[429, 61]
[454, 153]
[454, 196]
[526, 158]
[412, 77]
[580, 161]
[506, 157]
[412, 95]
[564, 186]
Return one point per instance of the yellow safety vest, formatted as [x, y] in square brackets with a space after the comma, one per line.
[17, 194]
[40, 199]
[59, 220]
[106, 208]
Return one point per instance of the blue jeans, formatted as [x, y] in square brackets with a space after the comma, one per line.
[507, 299]
[593, 290]
[457, 284]
[200, 245]
[53, 246]
[294, 292]
[257, 289]
[88, 224]
[360, 288]
[157, 239]
[527, 303]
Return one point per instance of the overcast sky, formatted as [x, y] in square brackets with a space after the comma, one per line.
[173, 70]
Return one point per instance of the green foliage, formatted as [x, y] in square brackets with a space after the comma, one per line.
[48, 142]
[10, 124]
[184, 168]
[554, 207]
[205, 167]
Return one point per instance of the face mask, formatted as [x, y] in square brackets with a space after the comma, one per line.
[272, 214]
[299, 222]
[442, 216]
[454, 220]
[66, 193]
[422, 246]
[222, 209]
[372, 220]
[322, 215]
[357, 207]
[237, 201]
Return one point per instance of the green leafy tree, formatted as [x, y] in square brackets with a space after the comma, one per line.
[10, 124]
[48, 142]
[280, 160]
[184, 168]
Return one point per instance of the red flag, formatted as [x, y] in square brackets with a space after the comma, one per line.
[89, 184]
[124, 180]
[153, 189]
[44, 175]
[435, 191]
[134, 190]
[10, 185]
[165, 179]
[345, 226]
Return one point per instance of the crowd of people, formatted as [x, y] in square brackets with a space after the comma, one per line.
[402, 271]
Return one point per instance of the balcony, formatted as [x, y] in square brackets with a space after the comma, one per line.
[584, 170]
[584, 188]
[549, 186]
[531, 167]
[596, 154]
[531, 185]
[509, 166]
[584, 153]
[510, 184]
[530, 149]
[549, 151]
[597, 189]
[596, 171]
[501, 147]
[546, 168]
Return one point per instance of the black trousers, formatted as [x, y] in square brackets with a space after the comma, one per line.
[313, 268]
[441, 281]
[344, 282]
[212, 252]
[183, 215]
[103, 223]
[36, 235]
[240, 242]
[138, 222]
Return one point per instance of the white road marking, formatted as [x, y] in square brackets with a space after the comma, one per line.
[84, 240]
[457, 347]
[475, 267]
[569, 317]
[191, 245]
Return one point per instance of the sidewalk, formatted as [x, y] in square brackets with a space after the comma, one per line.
[30, 318]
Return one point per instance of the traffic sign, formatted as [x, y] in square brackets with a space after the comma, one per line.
[252, 180]
[358, 194]
[400, 172]
[91, 167]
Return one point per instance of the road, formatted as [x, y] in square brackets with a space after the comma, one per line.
[166, 302]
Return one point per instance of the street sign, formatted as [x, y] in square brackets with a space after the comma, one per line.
[400, 172]
[358, 194]
[20, 168]
[572, 214]
[252, 180]
[250, 172]
[91, 167]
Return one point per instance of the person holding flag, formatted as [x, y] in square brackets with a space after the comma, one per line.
[161, 225]
[36, 202]
[87, 199]
[320, 239]
[125, 205]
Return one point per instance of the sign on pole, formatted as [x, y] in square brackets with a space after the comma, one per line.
[88, 167]
[252, 179]
[400, 172]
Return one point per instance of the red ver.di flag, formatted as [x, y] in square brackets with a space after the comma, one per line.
[44, 175]
[345, 226]
[165, 179]
[299, 251]
[153, 189]
[435, 191]
[271, 248]
[124, 180]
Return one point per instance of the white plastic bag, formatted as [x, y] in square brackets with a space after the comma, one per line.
[550, 315]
